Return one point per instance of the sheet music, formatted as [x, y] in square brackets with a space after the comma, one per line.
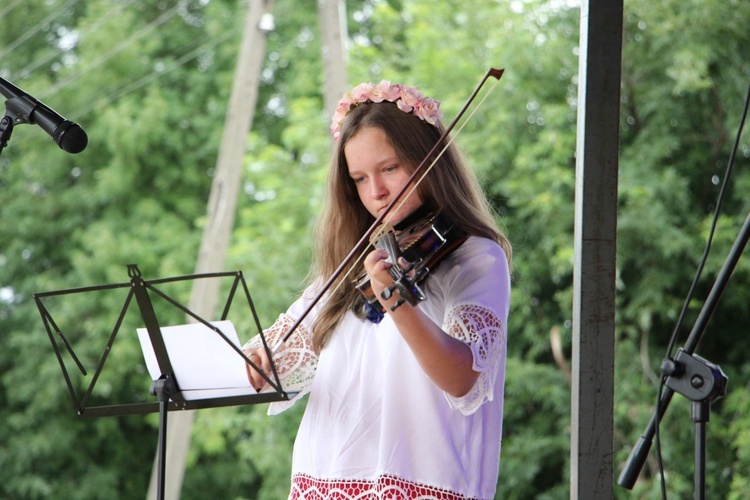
[204, 365]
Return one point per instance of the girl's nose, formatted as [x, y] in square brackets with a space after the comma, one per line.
[377, 189]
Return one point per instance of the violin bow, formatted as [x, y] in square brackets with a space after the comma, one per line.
[365, 239]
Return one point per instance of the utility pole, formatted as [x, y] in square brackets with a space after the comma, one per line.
[222, 207]
[332, 21]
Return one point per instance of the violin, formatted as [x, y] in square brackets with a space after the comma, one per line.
[422, 245]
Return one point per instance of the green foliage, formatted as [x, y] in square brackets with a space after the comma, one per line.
[150, 81]
[133, 196]
[536, 432]
[680, 109]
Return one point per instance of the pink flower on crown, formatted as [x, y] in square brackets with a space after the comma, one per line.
[429, 110]
[408, 100]
[360, 93]
[385, 91]
[411, 97]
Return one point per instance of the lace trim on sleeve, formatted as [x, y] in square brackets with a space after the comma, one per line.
[484, 333]
[295, 359]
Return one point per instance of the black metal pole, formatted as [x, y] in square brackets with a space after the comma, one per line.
[701, 411]
[162, 461]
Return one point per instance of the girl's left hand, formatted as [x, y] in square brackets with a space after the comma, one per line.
[376, 266]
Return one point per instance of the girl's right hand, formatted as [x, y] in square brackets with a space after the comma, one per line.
[259, 357]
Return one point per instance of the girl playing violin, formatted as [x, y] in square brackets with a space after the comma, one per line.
[405, 401]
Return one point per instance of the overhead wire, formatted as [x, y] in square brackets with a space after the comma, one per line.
[121, 90]
[149, 28]
[29, 33]
[9, 7]
[92, 28]
[155, 75]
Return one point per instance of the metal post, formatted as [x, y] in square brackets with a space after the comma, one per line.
[591, 447]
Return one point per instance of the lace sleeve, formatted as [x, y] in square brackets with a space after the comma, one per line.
[471, 299]
[295, 359]
[484, 333]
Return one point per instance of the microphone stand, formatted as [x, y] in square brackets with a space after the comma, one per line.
[695, 378]
[14, 114]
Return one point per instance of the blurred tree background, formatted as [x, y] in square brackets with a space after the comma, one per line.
[149, 81]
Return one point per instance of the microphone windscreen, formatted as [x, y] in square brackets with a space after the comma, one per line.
[70, 137]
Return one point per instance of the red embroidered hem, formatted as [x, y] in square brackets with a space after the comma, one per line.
[305, 487]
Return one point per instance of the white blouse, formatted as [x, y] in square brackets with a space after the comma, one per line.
[375, 425]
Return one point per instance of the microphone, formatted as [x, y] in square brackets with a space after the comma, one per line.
[25, 109]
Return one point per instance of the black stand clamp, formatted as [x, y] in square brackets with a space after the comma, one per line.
[702, 382]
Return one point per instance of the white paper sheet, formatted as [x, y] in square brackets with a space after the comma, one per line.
[204, 365]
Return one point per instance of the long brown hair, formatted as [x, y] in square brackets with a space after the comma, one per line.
[450, 186]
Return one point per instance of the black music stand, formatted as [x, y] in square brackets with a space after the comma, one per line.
[166, 388]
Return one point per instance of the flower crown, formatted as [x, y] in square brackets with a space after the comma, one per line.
[408, 100]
